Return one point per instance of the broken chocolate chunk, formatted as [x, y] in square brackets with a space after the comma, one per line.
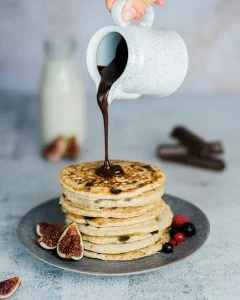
[124, 238]
[154, 232]
[88, 218]
[115, 191]
[88, 185]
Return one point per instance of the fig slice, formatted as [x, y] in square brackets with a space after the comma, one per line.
[43, 229]
[49, 242]
[8, 287]
[73, 149]
[70, 244]
[55, 149]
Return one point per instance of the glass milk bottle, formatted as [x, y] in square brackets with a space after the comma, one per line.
[62, 99]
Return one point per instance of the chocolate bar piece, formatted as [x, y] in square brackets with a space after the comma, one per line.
[169, 150]
[172, 150]
[216, 147]
[195, 143]
[202, 162]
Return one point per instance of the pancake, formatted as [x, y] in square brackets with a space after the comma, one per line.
[136, 254]
[112, 222]
[130, 238]
[139, 177]
[121, 212]
[140, 200]
[123, 247]
[159, 223]
[123, 218]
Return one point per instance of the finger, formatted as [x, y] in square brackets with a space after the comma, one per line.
[109, 3]
[134, 7]
[141, 5]
[139, 16]
[160, 2]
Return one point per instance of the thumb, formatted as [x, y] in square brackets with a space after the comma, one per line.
[134, 8]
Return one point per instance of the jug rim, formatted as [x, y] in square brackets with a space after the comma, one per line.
[91, 59]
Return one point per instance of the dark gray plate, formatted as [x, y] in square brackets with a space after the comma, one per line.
[50, 212]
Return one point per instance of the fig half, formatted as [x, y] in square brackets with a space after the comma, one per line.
[72, 150]
[49, 234]
[70, 244]
[46, 228]
[55, 149]
[49, 242]
[8, 287]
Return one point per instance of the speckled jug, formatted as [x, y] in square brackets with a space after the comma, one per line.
[157, 60]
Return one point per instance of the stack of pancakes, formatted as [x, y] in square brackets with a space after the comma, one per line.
[123, 218]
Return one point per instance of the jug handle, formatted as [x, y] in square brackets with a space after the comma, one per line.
[116, 12]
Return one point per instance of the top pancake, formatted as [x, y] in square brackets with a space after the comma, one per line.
[139, 177]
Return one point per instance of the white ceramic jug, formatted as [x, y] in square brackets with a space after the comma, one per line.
[157, 60]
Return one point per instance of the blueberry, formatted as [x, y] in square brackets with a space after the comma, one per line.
[188, 229]
[173, 231]
[167, 248]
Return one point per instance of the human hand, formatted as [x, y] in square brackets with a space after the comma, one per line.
[134, 9]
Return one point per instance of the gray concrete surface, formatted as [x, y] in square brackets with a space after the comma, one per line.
[136, 129]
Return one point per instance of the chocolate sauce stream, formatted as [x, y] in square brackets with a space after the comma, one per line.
[109, 75]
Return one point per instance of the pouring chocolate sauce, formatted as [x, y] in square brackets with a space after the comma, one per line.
[109, 75]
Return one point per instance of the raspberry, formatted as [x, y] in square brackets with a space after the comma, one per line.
[173, 242]
[179, 238]
[179, 220]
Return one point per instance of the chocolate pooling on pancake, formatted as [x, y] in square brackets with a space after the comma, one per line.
[74, 179]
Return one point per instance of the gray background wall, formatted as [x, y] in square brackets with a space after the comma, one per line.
[210, 29]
